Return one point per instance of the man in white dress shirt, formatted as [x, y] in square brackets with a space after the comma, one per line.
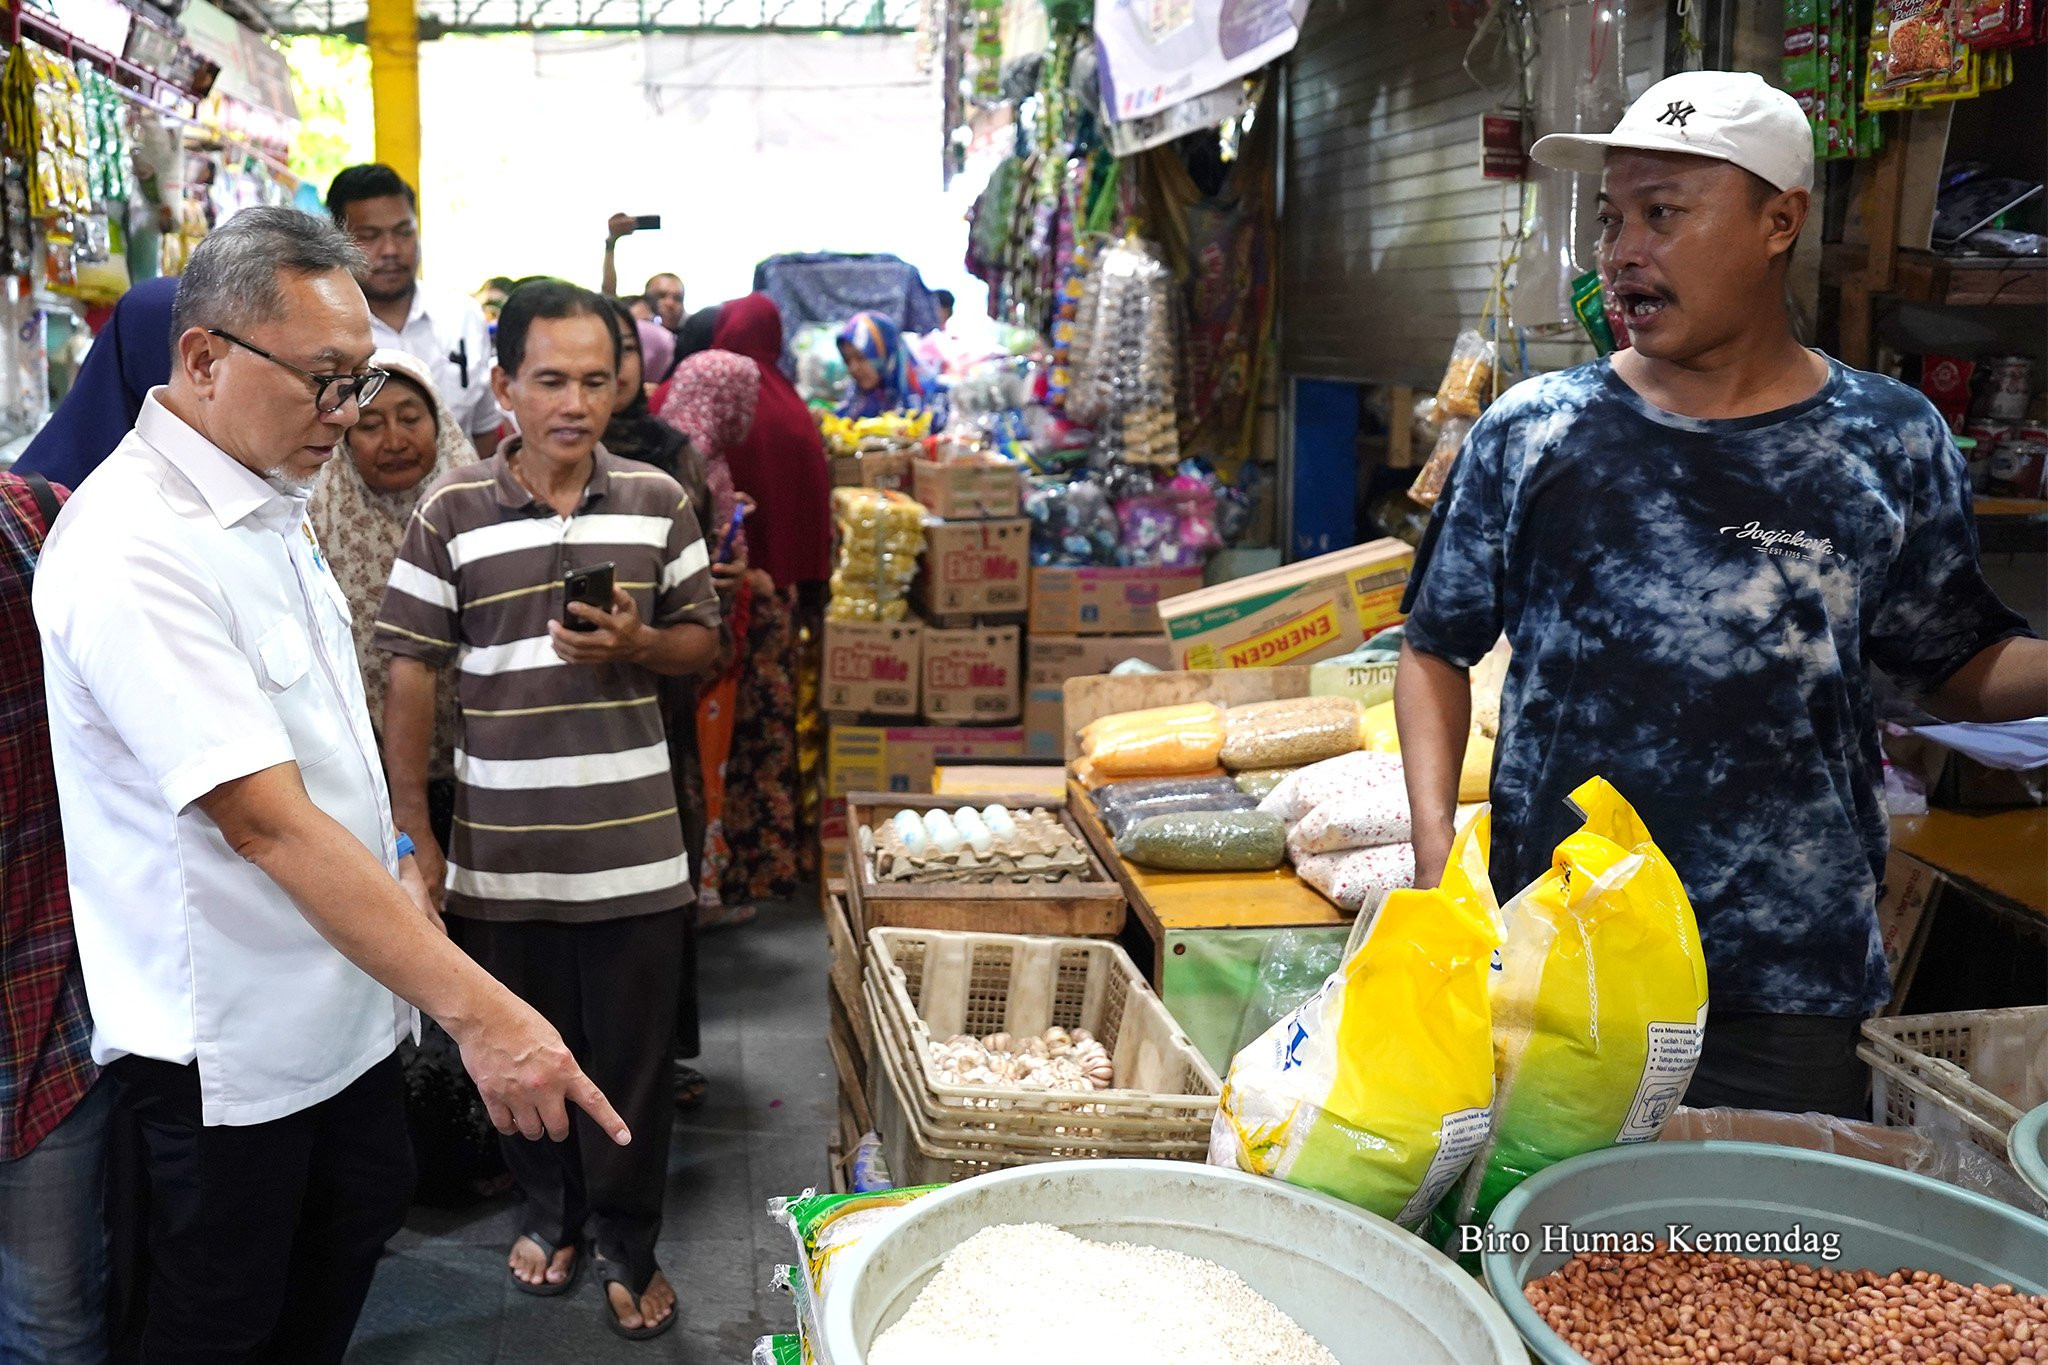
[249, 924]
[444, 331]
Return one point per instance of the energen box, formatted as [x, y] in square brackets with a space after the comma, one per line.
[1295, 614]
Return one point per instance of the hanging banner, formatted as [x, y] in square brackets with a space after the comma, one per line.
[1159, 53]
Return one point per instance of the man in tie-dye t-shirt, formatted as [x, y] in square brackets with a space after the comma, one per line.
[1698, 550]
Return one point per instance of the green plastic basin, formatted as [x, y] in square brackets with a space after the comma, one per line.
[2030, 1150]
[1883, 1219]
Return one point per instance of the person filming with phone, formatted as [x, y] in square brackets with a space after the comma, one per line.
[663, 296]
[565, 583]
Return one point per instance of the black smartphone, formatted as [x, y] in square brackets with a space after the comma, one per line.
[647, 222]
[592, 587]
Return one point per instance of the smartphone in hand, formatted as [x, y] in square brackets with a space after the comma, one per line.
[646, 222]
[592, 587]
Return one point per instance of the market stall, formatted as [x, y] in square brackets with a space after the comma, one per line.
[126, 142]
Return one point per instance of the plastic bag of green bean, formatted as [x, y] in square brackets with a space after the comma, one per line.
[1258, 783]
[1207, 841]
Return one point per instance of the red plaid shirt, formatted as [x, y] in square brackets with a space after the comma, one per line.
[46, 1043]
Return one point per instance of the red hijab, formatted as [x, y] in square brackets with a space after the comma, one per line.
[781, 462]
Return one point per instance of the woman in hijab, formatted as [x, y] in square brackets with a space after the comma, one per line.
[657, 352]
[405, 439]
[130, 356]
[711, 400]
[884, 376]
[781, 465]
[633, 433]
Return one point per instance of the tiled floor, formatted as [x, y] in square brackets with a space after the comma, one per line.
[442, 1296]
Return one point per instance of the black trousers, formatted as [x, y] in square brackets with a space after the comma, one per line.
[263, 1237]
[1790, 1063]
[611, 989]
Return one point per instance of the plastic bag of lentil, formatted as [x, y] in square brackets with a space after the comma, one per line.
[1290, 732]
[1258, 783]
[1207, 841]
[1377, 1089]
[1598, 1006]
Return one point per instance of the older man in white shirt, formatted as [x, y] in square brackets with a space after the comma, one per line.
[444, 331]
[248, 921]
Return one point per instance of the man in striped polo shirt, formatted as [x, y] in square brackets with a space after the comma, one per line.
[566, 868]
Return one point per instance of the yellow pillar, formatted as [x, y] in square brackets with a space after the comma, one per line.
[393, 33]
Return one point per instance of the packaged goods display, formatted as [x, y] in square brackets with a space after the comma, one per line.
[1467, 385]
[1020, 1294]
[880, 536]
[1207, 841]
[1691, 1305]
[1599, 1008]
[1350, 776]
[1054, 1060]
[1378, 1088]
[969, 846]
[1116, 797]
[1125, 369]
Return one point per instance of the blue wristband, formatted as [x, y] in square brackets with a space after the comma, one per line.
[405, 847]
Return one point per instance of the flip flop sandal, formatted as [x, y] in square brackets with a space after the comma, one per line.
[611, 1273]
[691, 1087]
[548, 1251]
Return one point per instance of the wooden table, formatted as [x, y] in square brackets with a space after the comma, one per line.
[1999, 856]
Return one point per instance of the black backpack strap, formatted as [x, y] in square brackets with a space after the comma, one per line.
[46, 499]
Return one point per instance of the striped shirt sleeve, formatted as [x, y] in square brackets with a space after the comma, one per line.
[420, 617]
[686, 594]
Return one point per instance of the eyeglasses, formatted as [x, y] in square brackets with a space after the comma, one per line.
[361, 387]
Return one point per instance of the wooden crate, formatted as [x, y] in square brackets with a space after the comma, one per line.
[846, 964]
[1093, 908]
[850, 1062]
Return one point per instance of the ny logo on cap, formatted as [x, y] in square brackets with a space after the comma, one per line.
[1676, 113]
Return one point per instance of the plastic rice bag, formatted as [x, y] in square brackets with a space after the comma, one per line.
[826, 1227]
[1289, 733]
[1358, 875]
[1122, 818]
[1598, 1007]
[1377, 1088]
[1207, 841]
[1348, 775]
[1258, 783]
[1089, 776]
[1164, 740]
[1367, 819]
[1117, 795]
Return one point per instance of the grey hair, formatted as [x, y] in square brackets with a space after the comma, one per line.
[231, 281]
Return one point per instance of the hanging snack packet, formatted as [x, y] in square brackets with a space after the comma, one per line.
[1376, 1089]
[1163, 741]
[1920, 43]
[1467, 385]
[1597, 1008]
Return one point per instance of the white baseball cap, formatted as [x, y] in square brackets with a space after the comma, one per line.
[1731, 116]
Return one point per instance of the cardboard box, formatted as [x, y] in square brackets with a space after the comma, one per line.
[978, 486]
[871, 667]
[1052, 659]
[901, 759]
[972, 675]
[971, 567]
[1104, 601]
[1316, 609]
[873, 469]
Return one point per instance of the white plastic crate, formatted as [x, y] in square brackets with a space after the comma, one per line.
[933, 984]
[1957, 1065]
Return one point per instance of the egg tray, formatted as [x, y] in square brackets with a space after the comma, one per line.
[1043, 850]
[1085, 901]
